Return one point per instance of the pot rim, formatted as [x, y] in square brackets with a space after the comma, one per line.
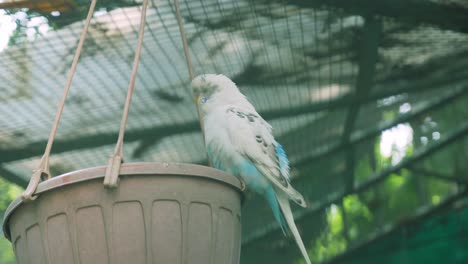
[126, 169]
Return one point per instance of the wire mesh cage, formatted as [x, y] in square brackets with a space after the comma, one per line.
[336, 94]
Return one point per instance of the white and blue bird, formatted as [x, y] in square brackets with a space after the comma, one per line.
[239, 141]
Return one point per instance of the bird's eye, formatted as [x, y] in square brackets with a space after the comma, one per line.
[203, 100]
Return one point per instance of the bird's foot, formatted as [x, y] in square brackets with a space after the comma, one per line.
[243, 186]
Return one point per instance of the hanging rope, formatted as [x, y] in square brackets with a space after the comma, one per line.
[113, 166]
[189, 63]
[43, 170]
[184, 40]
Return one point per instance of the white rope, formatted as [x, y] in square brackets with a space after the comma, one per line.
[189, 63]
[184, 40]
[43, 170]
[113, 167]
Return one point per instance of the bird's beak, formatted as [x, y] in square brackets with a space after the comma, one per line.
[196, 99]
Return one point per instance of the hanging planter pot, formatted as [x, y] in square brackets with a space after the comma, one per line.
[160, 213]
[149, 213]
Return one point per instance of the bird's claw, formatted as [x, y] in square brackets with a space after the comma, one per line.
[243, 186]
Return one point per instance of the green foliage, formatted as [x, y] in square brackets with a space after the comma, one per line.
[331, 242]
[393, 199]
[8, 192]
[440, 239]
[23, 16]
[6, 252]
[359, 217]
[402, 198]
[363, 169]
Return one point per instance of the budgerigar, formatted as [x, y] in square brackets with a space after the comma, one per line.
[239, 141]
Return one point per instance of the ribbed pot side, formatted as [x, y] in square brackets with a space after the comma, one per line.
[160, 213]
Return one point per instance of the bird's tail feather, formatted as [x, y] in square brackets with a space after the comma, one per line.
[275, 208]
[283, 202]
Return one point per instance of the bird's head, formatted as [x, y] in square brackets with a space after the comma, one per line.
[207, 87]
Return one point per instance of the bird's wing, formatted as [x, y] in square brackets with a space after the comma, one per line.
[252, 137]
